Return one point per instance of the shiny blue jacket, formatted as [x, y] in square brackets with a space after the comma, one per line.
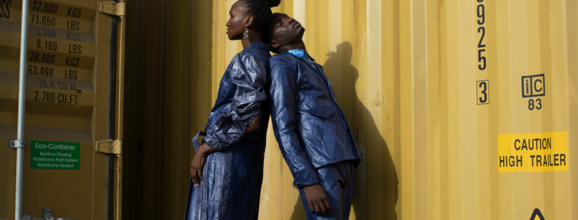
[232, 176]
[241, 93]
[309, 125]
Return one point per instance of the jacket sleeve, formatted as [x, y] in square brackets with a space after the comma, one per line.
[283, 92]
[249, 76]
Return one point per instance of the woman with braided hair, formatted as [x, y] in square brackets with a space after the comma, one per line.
[227, 169]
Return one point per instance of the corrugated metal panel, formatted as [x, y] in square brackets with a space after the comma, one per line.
[428, 88]
[67, 98]
[452, 142]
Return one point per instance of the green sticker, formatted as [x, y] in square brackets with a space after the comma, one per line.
[54, 155]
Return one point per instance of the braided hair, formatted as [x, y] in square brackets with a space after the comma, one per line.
[261, 10]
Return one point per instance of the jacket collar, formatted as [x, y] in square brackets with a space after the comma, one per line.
[299, 53]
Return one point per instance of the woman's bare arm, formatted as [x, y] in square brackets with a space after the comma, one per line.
[255, 124]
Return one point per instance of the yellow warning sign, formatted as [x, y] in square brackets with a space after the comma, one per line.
[537, 152]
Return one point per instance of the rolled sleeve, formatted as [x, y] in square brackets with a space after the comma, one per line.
[249, 76]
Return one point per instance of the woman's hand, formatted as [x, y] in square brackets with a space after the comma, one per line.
[198, 163]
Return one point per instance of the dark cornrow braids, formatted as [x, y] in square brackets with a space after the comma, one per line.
[261, 10]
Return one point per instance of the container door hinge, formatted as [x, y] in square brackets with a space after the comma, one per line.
[46, 215]
[109, 147]
[112, 8]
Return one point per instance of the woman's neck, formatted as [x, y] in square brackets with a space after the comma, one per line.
[252, 39]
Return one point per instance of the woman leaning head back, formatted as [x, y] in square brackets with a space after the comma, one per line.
[249, 19]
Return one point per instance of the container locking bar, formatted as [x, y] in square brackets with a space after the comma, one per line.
[47, 215]
[112, 8]
[14, 144]
[109, 147]
[117, 10]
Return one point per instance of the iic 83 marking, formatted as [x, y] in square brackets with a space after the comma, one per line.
[481, 13]
[534, 86]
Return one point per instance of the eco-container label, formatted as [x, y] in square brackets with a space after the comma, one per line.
[54, 155]
[536, 152]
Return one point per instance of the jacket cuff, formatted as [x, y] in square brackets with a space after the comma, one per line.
[213, 143]
[305, 178]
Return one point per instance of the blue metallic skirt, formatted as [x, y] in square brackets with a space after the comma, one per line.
[231, 186]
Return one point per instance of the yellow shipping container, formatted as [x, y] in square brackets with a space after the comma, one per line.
[73, 57]
[462, 109]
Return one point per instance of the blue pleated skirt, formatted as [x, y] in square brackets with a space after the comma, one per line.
[231, 186]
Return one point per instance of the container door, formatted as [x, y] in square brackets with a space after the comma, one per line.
[72, 63]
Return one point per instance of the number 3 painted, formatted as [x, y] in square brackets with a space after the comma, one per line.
[485, 99]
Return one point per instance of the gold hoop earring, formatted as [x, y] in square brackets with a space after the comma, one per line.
[246, 34]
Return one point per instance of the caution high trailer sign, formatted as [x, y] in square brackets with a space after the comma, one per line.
[538, 152]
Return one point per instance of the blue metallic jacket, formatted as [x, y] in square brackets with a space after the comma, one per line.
[309, 125]
[232, 175]
[241, 93]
